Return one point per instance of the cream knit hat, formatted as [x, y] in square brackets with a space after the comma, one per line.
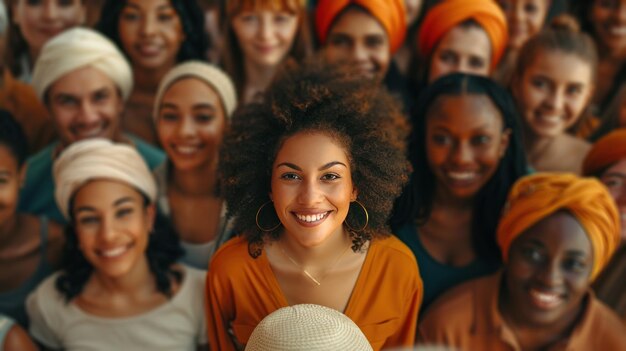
[77, 48]
[99, 158]
[307, 327]
[207, 73]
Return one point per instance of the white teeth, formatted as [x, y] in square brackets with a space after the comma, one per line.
[114, 252]
[461, 175]
[621, 30]
[550, 118]
[311, 218]
[186, 150]
[547, 298]
[90, 133]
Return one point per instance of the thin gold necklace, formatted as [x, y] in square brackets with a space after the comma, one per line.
[309, 275]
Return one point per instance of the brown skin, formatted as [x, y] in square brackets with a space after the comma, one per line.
[19, 250]
[191, 115]
[554, 257]
[18, 339]
[463, 135]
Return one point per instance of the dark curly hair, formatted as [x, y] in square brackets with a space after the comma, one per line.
[191, 16]
[12, 136]
[415, 204]
[316, 97]
[163, 251]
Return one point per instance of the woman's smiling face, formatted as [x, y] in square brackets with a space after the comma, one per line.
[548, 271]
[311, 187]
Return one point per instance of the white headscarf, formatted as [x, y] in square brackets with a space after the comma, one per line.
[77, 48]
[210, 74]
[99, 158]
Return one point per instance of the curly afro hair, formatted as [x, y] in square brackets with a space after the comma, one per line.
[316, 97]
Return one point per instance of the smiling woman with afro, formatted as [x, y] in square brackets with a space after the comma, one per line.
[310, 174]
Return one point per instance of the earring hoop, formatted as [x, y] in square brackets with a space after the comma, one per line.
[259, 225]
[366, 215]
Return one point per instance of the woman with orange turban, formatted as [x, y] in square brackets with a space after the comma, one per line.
[462, 36]
[607, 161]
[363, 34]
[557, 233]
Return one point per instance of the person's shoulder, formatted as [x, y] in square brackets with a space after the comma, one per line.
[233, 254]
[46, 302]
[47, 288]
[606, 327]
[41, 162]
[460, 302]
[193, 276]
[393, 249]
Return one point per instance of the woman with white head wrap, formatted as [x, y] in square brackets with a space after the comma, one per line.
[192, 109]
[119, 263]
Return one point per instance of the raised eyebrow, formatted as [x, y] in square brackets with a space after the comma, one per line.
[340, 35]
[103, 90]
[85, 209]
[65, 96]
[331, 164]
[123, 200]
[136, 6]
[290, 165]
[536, 242]
[576, 253]
[168, 105]
[204, 106]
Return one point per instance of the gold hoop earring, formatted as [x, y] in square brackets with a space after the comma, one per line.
[351, 214]
[259, 225]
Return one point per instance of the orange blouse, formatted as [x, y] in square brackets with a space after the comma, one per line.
[385, 301]
[468, 318]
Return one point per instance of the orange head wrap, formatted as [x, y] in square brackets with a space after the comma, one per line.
[605, 152]
[390, 13]
[538, 196]
[447, 14]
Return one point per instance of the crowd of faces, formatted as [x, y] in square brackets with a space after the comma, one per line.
[311, 175]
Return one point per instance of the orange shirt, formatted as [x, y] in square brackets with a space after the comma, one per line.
[384, 303]
[20, 99]
[468, 318]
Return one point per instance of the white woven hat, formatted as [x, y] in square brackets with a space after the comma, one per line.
[307, 327]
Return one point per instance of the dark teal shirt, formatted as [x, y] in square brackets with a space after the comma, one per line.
[439, 277]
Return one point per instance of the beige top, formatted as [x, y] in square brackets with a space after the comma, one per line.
[179, 324]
